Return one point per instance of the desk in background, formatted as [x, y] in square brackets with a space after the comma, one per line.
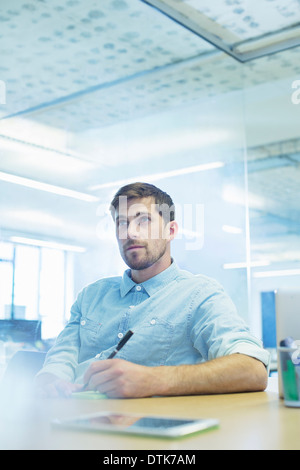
[247, 421]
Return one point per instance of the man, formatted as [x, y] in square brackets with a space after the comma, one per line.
[188, 338]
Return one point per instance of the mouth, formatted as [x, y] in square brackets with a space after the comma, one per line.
[135, 247]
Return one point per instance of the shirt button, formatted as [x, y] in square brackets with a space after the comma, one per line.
[83, 322]
[131, 306]
[97, 356]
[153, 322]
[120, 335]
[138, 288]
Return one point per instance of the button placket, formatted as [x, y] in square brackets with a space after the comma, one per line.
[124, 324]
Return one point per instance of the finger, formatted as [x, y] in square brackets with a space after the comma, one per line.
[77, 388]
[51, 391]
[100, 380]
[95, 367]
[112, 393]
[64, 388]
[111, 388]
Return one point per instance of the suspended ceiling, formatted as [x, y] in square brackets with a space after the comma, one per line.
[76, 74]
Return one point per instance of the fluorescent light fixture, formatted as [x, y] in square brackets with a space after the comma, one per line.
[236, 195]
[244, 265]
[52, 159]
[29, 183]
[47, 244]
[232, 229]
[158, 176]
[268, 40]
[36, 216]
[279, 273]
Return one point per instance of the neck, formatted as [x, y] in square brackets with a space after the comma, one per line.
[143, 275]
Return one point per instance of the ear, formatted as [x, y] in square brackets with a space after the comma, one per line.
[172, 230]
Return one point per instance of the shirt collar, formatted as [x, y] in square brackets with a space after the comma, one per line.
[151, 285]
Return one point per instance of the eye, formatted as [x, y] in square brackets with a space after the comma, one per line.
[144, 219]
[122, 223]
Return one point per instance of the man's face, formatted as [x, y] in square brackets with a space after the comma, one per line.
[141, 232]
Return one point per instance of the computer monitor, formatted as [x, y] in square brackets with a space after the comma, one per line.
[268, 312]
[23, 331]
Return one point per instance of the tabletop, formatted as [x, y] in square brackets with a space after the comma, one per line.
[247, 421]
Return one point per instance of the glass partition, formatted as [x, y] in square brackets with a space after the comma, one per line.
[97, 96]
[272, 123]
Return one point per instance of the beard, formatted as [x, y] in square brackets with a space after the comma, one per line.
[143, 258]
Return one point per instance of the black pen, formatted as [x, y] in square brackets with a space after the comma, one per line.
[118, 347]
[121, 344]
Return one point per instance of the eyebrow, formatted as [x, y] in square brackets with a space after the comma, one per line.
[136, 215]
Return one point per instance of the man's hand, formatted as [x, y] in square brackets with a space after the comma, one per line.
[229, 374]
[120, 379]
[50, 386]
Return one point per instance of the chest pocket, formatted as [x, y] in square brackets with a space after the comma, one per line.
[89, 331]
[150, 345]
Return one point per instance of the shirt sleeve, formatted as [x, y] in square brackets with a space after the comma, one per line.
[218, 330]
[62, 359]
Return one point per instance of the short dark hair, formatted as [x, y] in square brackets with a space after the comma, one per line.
[143, 190]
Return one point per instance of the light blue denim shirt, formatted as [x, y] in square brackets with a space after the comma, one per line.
[177, 318]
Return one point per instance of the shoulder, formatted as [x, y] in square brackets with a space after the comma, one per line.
[100, 285]
[199, 281]
[205, 292]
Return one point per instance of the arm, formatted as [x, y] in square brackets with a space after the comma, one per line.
[229, 374]
[57, 374]
[49, 385]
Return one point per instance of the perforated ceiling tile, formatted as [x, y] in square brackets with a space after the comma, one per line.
[199, 79]
[248, 19]
[79, 65]
[53, 49]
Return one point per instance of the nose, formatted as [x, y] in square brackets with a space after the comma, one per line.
[133, 230]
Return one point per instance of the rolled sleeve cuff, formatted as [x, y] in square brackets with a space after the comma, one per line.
[250, 349]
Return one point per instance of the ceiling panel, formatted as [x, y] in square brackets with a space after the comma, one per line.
[55, 51]
[249, 19]
[245, 30]
[78, 67]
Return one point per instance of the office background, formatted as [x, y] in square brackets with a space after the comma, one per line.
[203, 101]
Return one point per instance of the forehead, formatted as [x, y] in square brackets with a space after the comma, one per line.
[134, 207]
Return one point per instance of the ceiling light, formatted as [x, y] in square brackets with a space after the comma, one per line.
[158, 176]
[283, 272]
[268, 40]
[236, 195]
[29, 183]
[244, 265]
[232, 229]
[36, 216]
[47, 244]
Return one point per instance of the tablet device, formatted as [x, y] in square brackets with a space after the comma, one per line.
[159, 426]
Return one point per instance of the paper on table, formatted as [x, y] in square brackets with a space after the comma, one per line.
[89, 395]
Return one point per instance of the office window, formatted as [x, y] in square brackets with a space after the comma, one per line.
[34, 285]
[6, 251]
[6, 278]
[6, 282]
[52, 291]
[26, 282]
